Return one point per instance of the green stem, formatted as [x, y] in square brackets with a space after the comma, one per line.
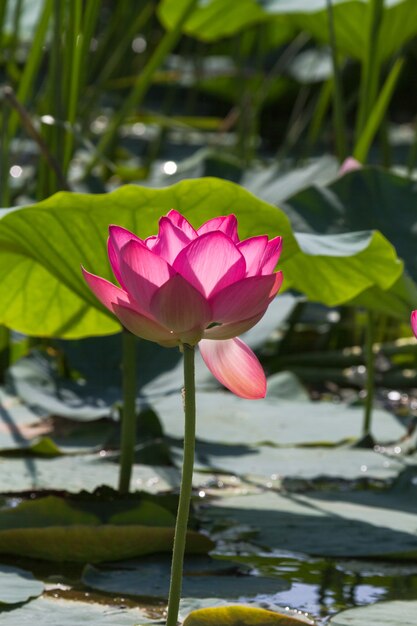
[338, 101]
[4, 351]
[186, 487]
[370, 372]
[128, 437]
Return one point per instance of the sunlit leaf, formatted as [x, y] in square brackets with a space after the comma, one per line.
[237, 615]
[42, 291]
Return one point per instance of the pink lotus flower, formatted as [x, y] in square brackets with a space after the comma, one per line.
[187, 286]
[414, 322]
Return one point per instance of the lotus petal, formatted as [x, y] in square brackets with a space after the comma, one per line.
[245, 298]
[271, 255]
[142, 272]
[180, 307]
[234, 364]
[210, 263]
[170, 241]
[226, 224]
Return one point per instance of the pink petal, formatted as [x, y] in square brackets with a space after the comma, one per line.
[234, 329]
[211, 262]
[245, 298]
[414, 322]
[227, 224]
[170, 241]
[271, 255]
[143, 327]
[234, 364]
[106, 292]
[349, 165]
[253, 250]
[179, 220]
[142, 272]
[179, 306]
[150, 242]
[118, 237]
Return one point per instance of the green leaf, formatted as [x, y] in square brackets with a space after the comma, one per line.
[86, 471]
[237, 615]
[94, 544]
[203, 578]
[42, 291]
[281, 423]
[352, 524]
[52, 611]
[362, 200]
[92, 529]
[394, 613]
[215, 19]
[18, 585]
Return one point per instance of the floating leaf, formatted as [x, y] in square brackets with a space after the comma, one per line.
[18, 585]
[87, 471]
[222, 417]
[50, 612]
[342, 524]
[203, 578]
[396, 613]
[94, 544]
[238, 615]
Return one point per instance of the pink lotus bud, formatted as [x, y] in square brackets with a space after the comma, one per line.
[349, 165]
[187, 286]
[414, 322]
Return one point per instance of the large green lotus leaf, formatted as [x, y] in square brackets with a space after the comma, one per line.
[237, 615]
[42, 291]
[351, 18]
[394, 613]
[268, 463]
[220, 18]
[17, 585]
[60, 612]
[352, 524]
[226, 418]
[203, 578]
[364, 199]
[85, 472]
[215, 19]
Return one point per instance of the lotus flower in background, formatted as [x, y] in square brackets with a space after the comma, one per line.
[414, 322]
[187, 286]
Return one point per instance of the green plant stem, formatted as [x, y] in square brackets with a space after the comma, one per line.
[186, 487]
[134, 99]
[370, 372]
[128, 437]
[338, 101]
[371, 66]
[378, 112]
[4, 351]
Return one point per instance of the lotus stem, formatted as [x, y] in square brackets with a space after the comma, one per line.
[186, 488]
[128, 436]
[370, 372]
